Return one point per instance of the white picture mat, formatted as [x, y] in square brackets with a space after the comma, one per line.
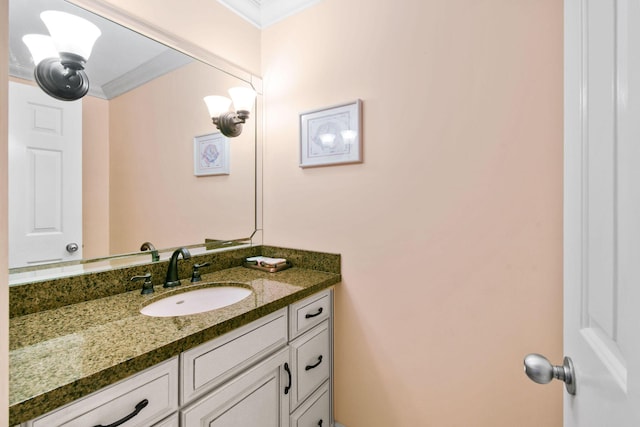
[211, 155]
[331, 135]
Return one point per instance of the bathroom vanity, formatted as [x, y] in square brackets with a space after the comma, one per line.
[265, 360]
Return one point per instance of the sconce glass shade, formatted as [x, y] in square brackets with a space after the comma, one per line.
[40, 47]
[71, 33]
[217, 105]
[243, 98]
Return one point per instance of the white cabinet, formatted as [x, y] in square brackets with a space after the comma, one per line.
[309, 312]
[315, 411]
[209, 364]
[142, 400]
[254, 398]
[172, 421]
[224, 387]
[311, 347]
[310, 362]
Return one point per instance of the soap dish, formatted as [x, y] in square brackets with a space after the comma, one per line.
[261, 265]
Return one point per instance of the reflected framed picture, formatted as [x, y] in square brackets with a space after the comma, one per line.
[331, 136]
[211, 155]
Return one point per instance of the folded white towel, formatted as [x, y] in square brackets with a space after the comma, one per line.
[267, 261]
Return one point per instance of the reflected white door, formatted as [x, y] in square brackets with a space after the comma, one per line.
[602, 211]
[45, 177]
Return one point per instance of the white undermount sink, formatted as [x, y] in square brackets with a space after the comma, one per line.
[196, 301]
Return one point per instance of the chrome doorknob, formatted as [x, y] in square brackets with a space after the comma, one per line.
[540, 370]
[72, 247]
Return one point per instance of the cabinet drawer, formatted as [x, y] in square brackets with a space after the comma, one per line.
[157, 385]
[311, 362]
[309, 312]
[211, 363]
[315, 412]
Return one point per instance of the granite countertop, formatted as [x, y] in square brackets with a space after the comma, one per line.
[59, 355]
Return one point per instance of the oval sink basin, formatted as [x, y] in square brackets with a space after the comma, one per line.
[196, 301]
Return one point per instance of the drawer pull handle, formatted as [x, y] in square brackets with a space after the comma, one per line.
[139, 407]
[309, 367]
[309, 316]
[287, 388]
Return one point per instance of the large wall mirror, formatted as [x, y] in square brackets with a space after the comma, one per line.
[140, 127]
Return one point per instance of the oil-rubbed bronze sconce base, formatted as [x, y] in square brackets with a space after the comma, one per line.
[230, 124]
[60, 82]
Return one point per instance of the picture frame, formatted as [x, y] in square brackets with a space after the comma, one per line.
[331, 136]
[211, 155]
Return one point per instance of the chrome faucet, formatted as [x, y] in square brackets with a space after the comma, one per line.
[172, 272]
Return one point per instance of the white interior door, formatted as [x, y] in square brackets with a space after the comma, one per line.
[45, 177]
[602, 211]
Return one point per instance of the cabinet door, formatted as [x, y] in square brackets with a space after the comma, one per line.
[254, 398]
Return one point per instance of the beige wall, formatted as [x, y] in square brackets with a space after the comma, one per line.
[451, 229]
[4, 256]
[95, 177]
[154, 194]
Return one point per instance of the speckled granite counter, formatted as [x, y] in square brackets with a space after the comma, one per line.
[59, 355]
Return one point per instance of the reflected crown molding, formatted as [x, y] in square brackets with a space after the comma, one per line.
[263, 13]
[148, 29]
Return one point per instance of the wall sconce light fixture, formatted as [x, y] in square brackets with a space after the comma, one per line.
[230, 122]
[60, 59]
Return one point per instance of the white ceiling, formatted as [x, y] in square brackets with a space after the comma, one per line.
[263, 13]
[120, 61]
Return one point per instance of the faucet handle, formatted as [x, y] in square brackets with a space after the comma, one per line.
[195, 276]
[147, 286]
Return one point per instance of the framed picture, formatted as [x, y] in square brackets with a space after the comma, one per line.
[331, 136]
[211, 155]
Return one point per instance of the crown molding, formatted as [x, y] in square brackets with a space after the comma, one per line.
[263, 13]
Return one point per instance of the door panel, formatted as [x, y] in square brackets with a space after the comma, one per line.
[602, 211]
[45, 177]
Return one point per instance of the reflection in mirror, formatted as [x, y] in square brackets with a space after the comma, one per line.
[131, 176]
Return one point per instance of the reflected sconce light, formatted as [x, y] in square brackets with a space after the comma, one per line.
[348, 136]
[230, 122]
[327, 139]
[60, 58]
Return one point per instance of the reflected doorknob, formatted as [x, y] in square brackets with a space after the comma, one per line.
[540, 370]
